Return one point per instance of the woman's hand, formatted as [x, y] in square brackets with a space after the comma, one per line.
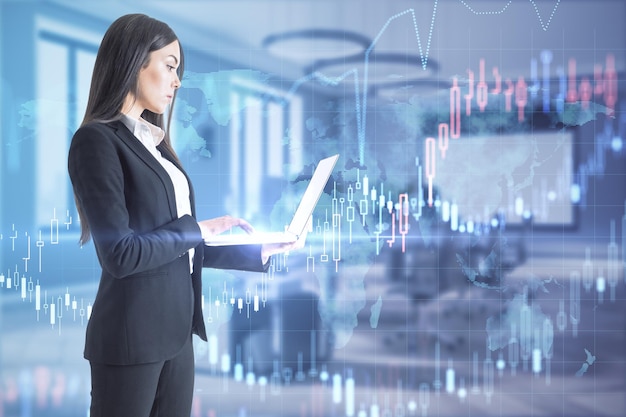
[269, 249]
[219, 225]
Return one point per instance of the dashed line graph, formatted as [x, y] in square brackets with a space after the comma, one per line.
[544, 26]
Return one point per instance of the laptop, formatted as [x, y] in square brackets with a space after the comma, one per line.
[300, 218]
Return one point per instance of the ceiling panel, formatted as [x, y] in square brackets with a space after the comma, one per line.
[449, 36]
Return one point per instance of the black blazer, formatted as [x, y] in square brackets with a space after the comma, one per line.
[147, 304]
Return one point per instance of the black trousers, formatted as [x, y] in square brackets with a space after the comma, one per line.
[162, 389]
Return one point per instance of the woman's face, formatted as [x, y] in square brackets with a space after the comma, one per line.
[157, 82]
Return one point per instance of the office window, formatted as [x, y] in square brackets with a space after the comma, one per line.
[265, 143]
[64, 58]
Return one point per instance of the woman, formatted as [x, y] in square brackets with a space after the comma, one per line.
[136, 202]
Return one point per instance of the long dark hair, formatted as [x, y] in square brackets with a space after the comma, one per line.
[125, 49]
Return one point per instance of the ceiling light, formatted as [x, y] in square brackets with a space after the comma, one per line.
[377, 69]
[311, 45]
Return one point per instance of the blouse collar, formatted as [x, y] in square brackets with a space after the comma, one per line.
[138, 125]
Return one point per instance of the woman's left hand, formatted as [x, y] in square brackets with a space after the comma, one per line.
[269, 249]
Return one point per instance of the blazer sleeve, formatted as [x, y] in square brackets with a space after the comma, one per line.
[240, 257]
[97, 170]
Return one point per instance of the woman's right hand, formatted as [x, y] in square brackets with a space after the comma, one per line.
[221, 224]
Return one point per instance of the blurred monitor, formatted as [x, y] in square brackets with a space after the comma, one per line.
[520, 176]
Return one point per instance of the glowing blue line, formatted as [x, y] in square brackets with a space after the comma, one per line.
[361, 109]
[424, 58]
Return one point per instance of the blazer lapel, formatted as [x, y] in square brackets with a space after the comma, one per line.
[128, 138]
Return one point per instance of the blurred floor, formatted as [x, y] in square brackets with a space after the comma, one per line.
[399, 368]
